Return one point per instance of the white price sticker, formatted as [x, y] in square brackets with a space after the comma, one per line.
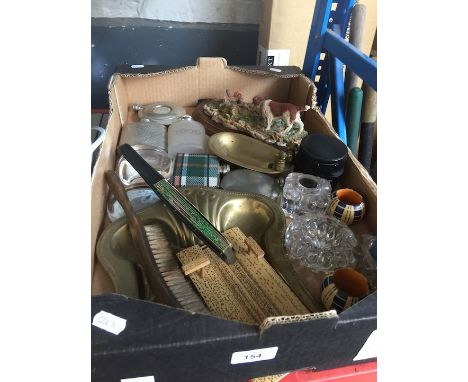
[109, 322]
[253, 355]
[273, 57]
[139, 379]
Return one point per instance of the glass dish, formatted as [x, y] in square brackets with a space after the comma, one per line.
[158, 159]
[320, 242]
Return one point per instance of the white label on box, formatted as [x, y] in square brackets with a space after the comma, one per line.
[253, 355]
[139, 379]
[369, 350]
[109, 322]
[273, 57]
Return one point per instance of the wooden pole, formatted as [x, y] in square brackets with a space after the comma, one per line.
[356, 37]
[353, 119]
[369, 117]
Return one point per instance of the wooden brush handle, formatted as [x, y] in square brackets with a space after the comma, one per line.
[138, 234]
[117, 188]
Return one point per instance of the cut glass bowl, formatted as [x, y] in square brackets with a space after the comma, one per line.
[320, 242]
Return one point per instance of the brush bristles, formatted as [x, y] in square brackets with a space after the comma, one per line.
[170, 270]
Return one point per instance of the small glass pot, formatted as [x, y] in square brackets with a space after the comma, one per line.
[304, 193]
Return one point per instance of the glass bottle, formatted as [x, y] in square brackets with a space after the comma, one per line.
[145, 133]
[186, 136]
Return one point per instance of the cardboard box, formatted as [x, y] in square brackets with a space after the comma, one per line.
[285, 27]
[176, 345]
[284, 31]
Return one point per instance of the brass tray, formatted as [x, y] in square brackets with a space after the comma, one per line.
[256, 215]
[245, 151]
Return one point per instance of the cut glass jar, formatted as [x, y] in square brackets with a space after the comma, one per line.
[304, 193]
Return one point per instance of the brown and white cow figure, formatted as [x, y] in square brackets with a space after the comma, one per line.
[287, 111]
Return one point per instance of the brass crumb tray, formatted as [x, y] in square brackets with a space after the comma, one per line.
[256, 215]
[245, 151]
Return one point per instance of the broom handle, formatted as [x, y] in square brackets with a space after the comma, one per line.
[353, 119]
[356, 37]
[138, 234]
[368, 119]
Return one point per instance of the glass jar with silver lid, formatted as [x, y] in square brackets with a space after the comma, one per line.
[145, 133]
[186, 136]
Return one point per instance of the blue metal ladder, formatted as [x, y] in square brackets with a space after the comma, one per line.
[327, 52]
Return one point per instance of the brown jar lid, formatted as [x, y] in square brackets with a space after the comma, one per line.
[351, 282]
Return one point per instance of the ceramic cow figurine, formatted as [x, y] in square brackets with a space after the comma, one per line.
[287, 111]
[233, 97]
[232, 100]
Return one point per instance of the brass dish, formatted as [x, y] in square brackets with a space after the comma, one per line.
[254, 214]
[246, 152]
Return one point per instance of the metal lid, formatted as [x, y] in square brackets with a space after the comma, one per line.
[161, 112]
[186, 117]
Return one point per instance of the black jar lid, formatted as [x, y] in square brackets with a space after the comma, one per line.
[324, 148]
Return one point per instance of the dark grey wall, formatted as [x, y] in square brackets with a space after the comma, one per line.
[139, 41]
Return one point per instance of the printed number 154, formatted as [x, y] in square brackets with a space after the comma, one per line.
[253, 356]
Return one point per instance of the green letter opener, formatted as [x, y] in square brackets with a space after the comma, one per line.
[180, 206]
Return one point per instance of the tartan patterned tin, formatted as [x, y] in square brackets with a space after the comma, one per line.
[196, 170]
